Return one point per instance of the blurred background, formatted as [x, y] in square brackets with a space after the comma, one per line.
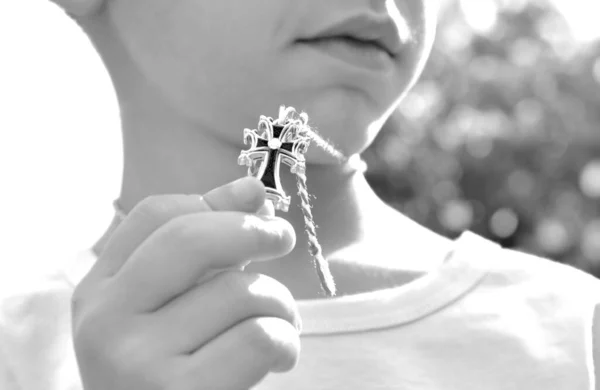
[501, 136]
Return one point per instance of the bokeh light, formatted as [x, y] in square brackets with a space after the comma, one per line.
[553, 237]
[502, 133]
[589, 179]
[504, 223]
[590, 242]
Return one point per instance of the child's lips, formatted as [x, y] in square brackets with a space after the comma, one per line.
[377, 29]
[363, 54]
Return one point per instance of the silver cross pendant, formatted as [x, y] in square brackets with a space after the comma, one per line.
[284, 140]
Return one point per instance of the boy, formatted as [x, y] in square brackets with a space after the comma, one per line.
[211, 292]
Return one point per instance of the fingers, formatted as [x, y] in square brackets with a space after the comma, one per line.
[252, 349]
[267, 209]
[193, 319]
[178, 254]
[244, 195]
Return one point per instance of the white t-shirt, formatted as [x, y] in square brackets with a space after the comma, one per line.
[487, 318]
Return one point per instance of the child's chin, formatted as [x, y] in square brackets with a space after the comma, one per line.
[318, 156]
[349, 128]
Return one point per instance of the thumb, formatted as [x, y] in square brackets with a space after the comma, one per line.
[244, 195]
[267, 209]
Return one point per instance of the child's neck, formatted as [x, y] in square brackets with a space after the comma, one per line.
[164, 154]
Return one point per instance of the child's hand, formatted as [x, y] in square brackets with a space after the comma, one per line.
[154, 313]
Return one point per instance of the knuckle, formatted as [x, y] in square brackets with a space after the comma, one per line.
[272, 292]
[157, 207]
[188, 231]
[274, 342]
[164, 206]
[90, 334]
[253, 226]
[259, 295]
[260, 339]
[85, 301]
[270, 236]
[235, 283]
[101, 337]
[133, 353]
[99, 327]
[149, 206]
[233, 288]
[238, 290]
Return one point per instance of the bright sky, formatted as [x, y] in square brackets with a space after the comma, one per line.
[60, 152]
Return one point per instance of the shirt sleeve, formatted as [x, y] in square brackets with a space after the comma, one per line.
[7, 377]
[36, 348]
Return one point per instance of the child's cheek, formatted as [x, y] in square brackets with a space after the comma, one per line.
[143, 28]
[421, 16]
[176, 45]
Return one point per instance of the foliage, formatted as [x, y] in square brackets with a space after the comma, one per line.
[501, 136]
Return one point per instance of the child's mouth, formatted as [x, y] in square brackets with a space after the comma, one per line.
[366, 54]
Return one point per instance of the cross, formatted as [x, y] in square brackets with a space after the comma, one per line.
[271, 145]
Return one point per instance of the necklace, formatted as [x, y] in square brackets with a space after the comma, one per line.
[283, 140]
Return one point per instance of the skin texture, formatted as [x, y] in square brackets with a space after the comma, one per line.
[190, 75]
[166, 305]
[202, 54]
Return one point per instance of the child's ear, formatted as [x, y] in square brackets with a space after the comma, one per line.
[80, 8]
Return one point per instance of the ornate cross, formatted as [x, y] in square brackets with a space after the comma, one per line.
[275, 142]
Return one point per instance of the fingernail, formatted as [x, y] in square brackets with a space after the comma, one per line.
[267, 209]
